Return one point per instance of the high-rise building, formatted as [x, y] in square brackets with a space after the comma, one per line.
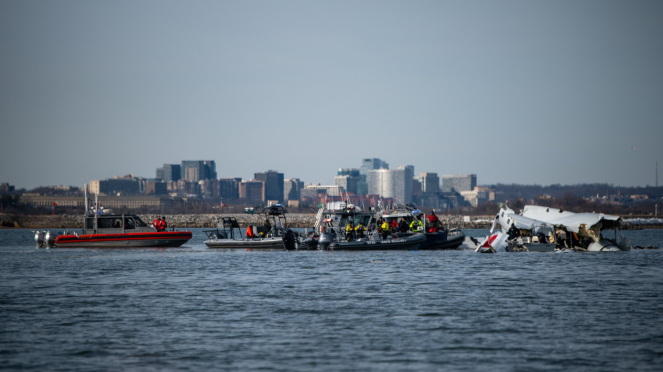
[368, 165]
[292, 189]
[396, 184]
[197, 170]
[430, 182]
[273, 184]
[169, 172]
[348, 183]
[229, 188]
[252, 191]
[459, 182]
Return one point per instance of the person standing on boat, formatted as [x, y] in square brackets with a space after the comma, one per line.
[359, 230]
[268, 227]
[156, 223]
[385, 229]
[402, 226]
[432, 218]
[162, 224]
[416, 224]
[349, 229]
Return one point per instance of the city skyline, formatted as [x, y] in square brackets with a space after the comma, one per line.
[516, 92]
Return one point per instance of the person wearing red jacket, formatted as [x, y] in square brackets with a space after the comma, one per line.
[156, 223]
[162, 224]
[393, 225]
[432, 218]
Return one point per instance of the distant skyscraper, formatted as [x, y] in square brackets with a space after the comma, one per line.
[368, 165]
[430, 183]
[292, 189]
[459, 182]
[395, 183]
[273, 184]
[348, 183]
[229, 188]
[252, 191]
[198, 170]
[169, 172]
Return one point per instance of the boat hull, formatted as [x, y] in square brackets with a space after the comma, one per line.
[127, 240]
[441, 239]
[265, 243]
[412, 242]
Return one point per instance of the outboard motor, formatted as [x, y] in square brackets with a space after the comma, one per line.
[289, 240]
[39, 238]
[49, 239]
[324, 240]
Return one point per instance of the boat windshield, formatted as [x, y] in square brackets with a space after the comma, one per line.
[139, 222]
[364, 219]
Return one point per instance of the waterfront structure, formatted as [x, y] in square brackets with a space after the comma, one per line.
[169, 172]
[106, 202]
[292, 188]
[273, 184]
[196, 170]
[252, 191]
[459, 182]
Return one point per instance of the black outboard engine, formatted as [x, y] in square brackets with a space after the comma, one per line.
[289, 240]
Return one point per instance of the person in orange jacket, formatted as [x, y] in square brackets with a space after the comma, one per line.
[249, 232]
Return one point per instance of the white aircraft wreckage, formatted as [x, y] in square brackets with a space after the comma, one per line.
[543, 229]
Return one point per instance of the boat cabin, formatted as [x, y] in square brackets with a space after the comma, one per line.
[114, 224]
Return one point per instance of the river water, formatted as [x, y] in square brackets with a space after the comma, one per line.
[198, 309]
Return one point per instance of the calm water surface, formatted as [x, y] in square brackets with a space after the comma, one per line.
[196, 309]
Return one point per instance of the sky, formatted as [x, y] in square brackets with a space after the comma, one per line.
[532, 92]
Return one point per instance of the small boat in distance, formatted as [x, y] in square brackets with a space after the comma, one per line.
[103, 229]
[272, 235]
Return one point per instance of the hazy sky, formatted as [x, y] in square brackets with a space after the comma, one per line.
[515, 91]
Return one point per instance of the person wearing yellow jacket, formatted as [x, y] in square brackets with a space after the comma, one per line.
[415, 225]
[385, 229]
[348, 231]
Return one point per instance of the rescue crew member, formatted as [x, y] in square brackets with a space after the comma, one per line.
[268, 227]
[348, 231]
[385, 229]
[432, 218]
[402, 226]
[249, 232]
[359, 230]
[162, 224]
[394, 225]
[416, 224]
[156, 223]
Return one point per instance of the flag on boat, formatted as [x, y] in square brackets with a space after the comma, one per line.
[55, 204]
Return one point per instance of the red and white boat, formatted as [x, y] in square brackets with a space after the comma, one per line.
[103, 229]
